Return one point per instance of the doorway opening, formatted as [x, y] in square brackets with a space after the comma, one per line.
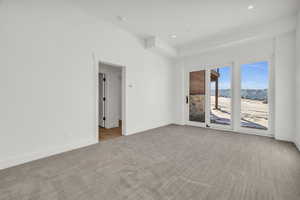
[110, 98]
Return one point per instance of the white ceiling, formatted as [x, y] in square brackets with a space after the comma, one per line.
[190, 20]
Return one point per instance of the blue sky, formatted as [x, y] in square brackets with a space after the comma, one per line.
[224, 80]
[253, 76]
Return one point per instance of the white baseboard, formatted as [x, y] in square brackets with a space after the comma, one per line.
[179, 123]
[148, 129]
[284, 139]
[28, 157]
[297, 145]
[10, 162]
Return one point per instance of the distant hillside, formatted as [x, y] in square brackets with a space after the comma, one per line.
[261, 94]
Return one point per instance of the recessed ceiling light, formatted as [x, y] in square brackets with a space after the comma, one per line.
[251, 7]
[173, 36]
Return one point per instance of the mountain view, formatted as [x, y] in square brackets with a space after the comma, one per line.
[253, 94]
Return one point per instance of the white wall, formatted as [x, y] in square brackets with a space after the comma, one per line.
[113, 90]
[285, 96]
[179, 94]
[243, 52]
[48, 79]
[297, 138]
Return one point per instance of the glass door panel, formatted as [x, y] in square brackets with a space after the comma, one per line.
[197, 93]
[254, 95]
[220, 96]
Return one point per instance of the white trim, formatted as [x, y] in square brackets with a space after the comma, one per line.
[221, 127]
[212, 125]
[271, 97]
[235, 90]
[151, 128]
[236, 95]
[28, 157]
[232, 131]
[297, 145]
[248, 132]
[124, 101]
[104, 102]
[207, 96]
[187, 117]
[207, 68]
[196, 124]
[123, 68]
[286, 139]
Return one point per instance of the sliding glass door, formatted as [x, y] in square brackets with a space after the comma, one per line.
[197, 97]
[254, 96]
[220, 97]
[231, 97]
[209, 99]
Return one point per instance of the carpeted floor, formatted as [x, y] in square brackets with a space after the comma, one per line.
[168, 163]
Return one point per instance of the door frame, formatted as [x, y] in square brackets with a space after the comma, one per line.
[104, 96]
[271, 97]
[123, 95]
[235, 94]
[207, 123]
[187, 121]
[219, 126]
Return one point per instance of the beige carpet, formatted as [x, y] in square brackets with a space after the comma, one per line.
[168, 163]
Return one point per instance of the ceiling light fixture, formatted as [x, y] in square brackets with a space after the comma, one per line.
[251, 7]
[173, 36]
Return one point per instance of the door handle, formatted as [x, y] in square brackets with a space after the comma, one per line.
[187, 100]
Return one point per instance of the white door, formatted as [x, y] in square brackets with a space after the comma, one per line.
[231, 97]
[102, 99]
[209, 97]
[196, 98]
[220, 97]
[255, 93]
